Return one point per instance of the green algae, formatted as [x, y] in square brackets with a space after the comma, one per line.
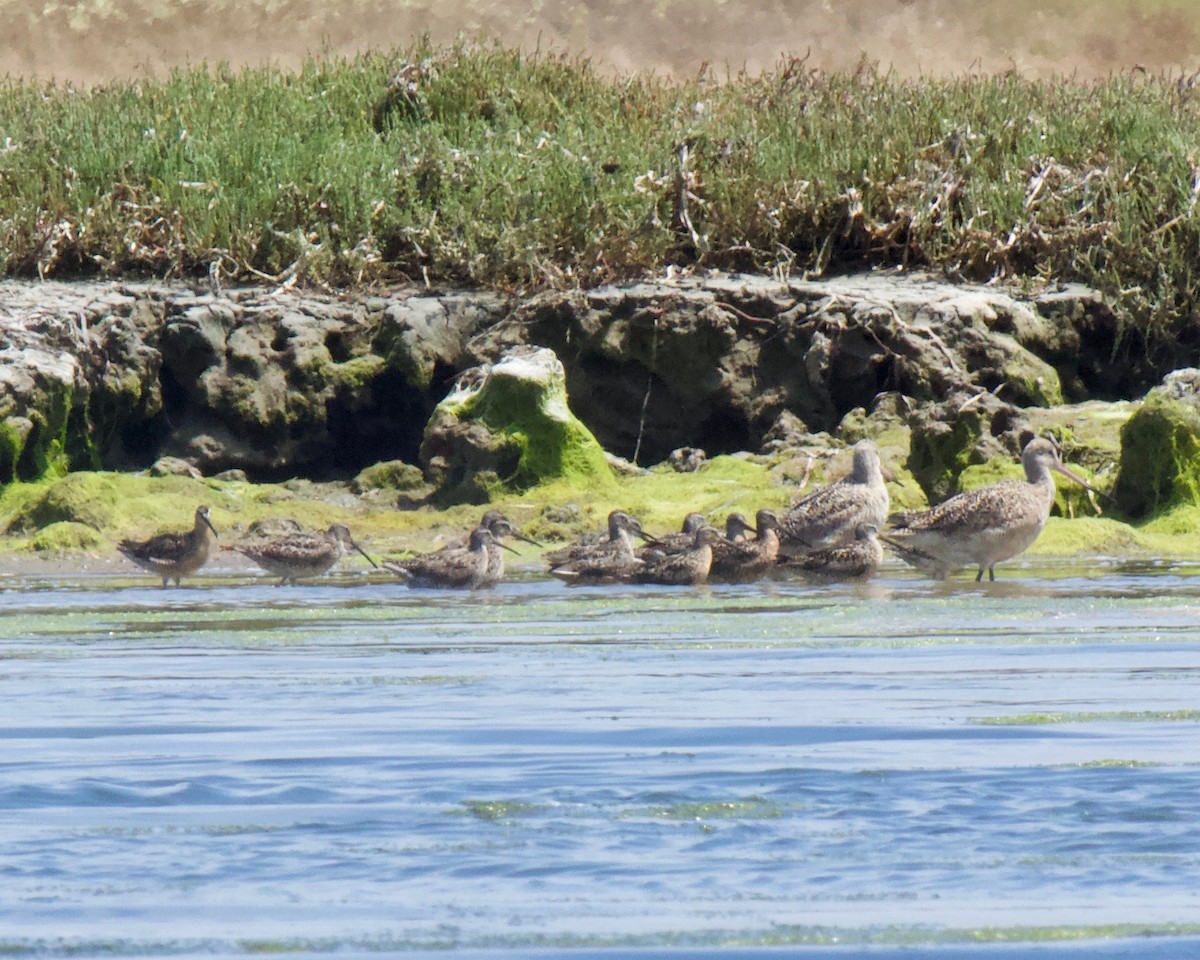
[1160, 456]
[65, 537]
[500, 810]
[550, 446]
[1091, 536]
[34, 444]
[938, 458]
[1094, 716]
[114, 505]
[388, 475]
[522, 403]
[749, 808]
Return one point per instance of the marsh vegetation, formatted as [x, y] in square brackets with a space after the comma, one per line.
[470, 164]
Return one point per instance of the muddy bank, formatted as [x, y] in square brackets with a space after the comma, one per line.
[361, 402]
[284, 384]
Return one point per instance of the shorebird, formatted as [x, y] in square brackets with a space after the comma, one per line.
[173, 555]
[302, 555]
[500, 527]
[622, 528]
[744, 559]
[689, 567]
[985, 526]
[736, 527]
[829, 517]
[855, 561]
[467, 567]
[675, 542]
[608, 567]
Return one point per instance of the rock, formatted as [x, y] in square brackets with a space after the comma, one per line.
[622, 467]
[687, 459]
[270, 527]
[965, 429]
[715, 361]
[284, 383]
[389, 475]
[37, 391]
[509, 424]
[174, 467]
[310, 385]
[787, 433]
[1088, 434]
[1160, 448]
[232, 476]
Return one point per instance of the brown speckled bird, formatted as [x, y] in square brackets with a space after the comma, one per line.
[740, 560]
[985, 526]
[173, 555]
[854, 561]
[689, 567]
[465, 568]
[829, 517]
[299, 556]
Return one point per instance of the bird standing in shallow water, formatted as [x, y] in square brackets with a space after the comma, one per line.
[678, 542]
[173, 555]
[829, 517]
[302, 555]
[689, 567]
[985, 526]
[466, 568]
[747, 559]
[499, 526]
[622, 528]
[854, 561]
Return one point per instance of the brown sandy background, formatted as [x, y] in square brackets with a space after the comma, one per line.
[91, 41]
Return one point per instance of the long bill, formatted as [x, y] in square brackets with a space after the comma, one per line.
[364, 553]
[1076, 478]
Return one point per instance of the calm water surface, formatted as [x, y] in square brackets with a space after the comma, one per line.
[353, 767]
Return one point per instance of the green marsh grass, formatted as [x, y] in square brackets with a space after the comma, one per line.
[485, 165]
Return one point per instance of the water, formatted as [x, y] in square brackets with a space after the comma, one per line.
[354, 768]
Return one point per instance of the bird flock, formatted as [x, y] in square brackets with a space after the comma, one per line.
[837, 532]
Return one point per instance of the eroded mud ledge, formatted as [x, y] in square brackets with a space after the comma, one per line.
[304, 386]
[284, 384]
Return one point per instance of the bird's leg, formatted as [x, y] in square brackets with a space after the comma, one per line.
[979, 575]
[991, 574]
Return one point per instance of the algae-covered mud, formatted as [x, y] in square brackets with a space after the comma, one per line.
[1007, 770]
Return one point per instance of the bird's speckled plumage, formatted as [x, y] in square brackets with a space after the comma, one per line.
[829, 517]
[302, 555]
[466, 568]
[173, 555]
[622, 528]
[610, 567]
[689, 567]
[985, 526]
[500, 527]
[675, 542]
[854, 561]
[747, 559]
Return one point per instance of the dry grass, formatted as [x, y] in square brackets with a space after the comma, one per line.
[87, 41]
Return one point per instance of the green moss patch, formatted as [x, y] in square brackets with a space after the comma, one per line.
[1089, 536]
[1160, 455]
[388, 475]
[66, 537]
